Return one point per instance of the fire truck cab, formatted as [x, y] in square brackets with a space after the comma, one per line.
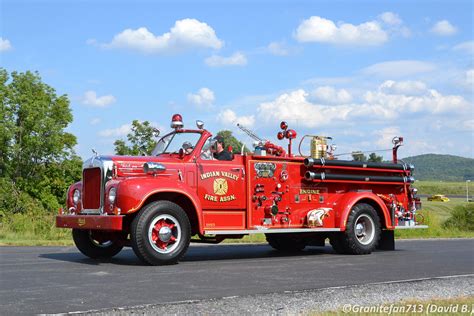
[158, 204]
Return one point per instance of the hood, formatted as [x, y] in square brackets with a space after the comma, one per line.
[127, 166]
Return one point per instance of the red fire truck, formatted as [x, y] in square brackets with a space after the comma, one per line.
[158, 204]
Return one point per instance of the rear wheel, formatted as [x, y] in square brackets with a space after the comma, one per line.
[97, 244]
[161, 233]
[286, 242]
[362, 232]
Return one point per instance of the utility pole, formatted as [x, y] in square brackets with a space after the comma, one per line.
[467, 190]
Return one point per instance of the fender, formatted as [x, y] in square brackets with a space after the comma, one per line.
[133, 192]
[352, 198]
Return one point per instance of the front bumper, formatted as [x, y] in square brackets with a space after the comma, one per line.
[98, 222]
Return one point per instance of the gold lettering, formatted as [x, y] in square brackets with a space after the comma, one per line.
[309, 191]
[210, 174]
[230, 175]
[211, 198]
[227, 198]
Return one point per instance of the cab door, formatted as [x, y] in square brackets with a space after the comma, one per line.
[221, 189]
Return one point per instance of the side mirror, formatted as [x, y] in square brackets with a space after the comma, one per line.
[200, 124]
[156, 132]
[181, 153]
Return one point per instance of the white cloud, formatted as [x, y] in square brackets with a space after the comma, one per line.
[404, 87]
[278, 49]
[91, 98]
[294, 106]
[470, 78]
[399, 68]
[385, 135]
[5, 45]
[431, 102]
[204, 98]
[388, 103]
[330, 95]
[444, 28]
[95, 121]
[468, 125]
[394, 24]
[120, 131]
[390, 18]
[186, 34]
[318, 29]
[236, 59]
[229, 117]
[466, 47]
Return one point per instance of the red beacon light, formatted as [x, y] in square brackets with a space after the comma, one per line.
[284, 125]
[177, 121]
[290, 134]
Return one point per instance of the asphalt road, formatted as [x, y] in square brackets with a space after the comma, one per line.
[59, 279]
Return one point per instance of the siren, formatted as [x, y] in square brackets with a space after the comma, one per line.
[177, 121]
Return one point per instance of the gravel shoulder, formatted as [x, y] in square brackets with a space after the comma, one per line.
[304, 302]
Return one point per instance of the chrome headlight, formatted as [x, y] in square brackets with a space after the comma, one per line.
[76, 196]
[112, 195]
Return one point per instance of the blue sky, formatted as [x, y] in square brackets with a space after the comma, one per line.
[361, 73]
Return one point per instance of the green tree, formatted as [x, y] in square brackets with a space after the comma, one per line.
[141, 140]
[36, 153]
[230, 140]
[373, 157]
[358, 156]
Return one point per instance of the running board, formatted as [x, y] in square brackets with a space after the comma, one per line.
[271, 231]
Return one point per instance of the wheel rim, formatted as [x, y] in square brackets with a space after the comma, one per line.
[364, 229]
[164, 233]
[99, 243]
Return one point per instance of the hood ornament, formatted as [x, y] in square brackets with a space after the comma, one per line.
[96, 154]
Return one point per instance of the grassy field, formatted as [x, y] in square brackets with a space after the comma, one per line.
[435, 214]
[34, 230]
[441, 187]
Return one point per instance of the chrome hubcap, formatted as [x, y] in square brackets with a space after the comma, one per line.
[364, 229]
[164, 233]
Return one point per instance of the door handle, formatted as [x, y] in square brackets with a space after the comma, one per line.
[239, 169]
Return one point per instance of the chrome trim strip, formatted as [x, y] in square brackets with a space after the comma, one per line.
[412, 227]
[270, 231]
[106, 168]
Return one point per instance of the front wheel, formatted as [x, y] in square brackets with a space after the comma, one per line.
[97, 244]
[161, 233]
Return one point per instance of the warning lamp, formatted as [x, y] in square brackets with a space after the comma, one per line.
[290, 134]
[177, 121]
[280, 135]
[283, 125]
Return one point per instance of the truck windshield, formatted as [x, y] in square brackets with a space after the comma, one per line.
[173, 142]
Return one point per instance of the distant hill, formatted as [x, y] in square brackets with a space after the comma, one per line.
[442, 167]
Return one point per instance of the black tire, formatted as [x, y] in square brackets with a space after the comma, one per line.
[166, 245]
[337, 244]
[96, 248]
[286, 242]
[362, 232]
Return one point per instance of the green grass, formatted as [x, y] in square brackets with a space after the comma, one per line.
[443, 187]
[32, 230]
[435, 214]
[419, 307]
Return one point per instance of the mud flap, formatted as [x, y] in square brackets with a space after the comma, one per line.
[387, 240]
